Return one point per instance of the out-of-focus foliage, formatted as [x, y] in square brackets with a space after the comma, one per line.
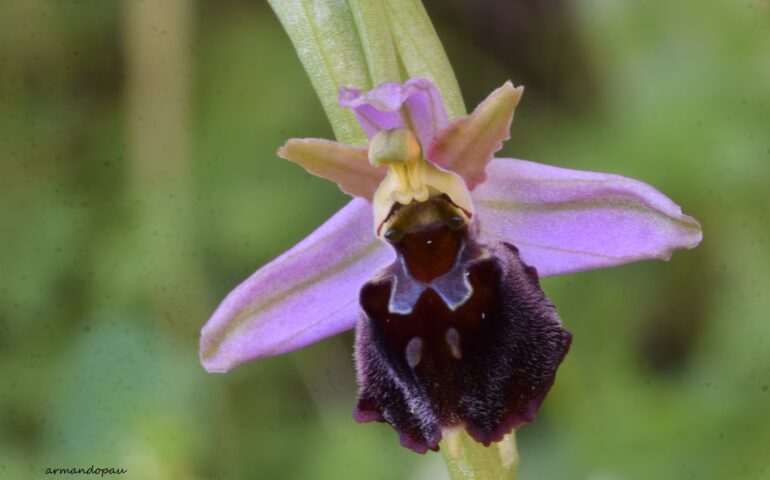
[108, 270]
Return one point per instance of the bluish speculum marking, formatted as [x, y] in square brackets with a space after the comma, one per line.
[430, 239]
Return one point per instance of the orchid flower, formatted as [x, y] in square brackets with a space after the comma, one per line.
[436, 262]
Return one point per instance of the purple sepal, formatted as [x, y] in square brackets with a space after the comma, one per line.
[301, 297]
[566, 221]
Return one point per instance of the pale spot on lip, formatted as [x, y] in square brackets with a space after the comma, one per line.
[414, 352]
[453, 340]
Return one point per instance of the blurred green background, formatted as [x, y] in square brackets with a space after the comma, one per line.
[139, 183]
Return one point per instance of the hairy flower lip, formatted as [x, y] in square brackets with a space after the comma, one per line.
[562, 220]
[496, 373]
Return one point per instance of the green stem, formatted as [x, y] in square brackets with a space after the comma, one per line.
[466, 459]
[422, 53]
[327, 43]
[376, 40]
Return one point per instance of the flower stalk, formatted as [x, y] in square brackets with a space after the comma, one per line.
[466, 459]
[326, 40]
[422, 53]
[376, 41]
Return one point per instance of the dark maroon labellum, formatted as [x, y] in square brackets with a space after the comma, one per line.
[485, 362]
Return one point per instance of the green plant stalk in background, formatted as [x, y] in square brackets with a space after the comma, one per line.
[362, 43]
[467, 459]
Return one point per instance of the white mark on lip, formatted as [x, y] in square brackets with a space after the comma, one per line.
[414, 352]
[452, 337]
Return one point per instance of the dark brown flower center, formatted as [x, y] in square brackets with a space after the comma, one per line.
[428, 236]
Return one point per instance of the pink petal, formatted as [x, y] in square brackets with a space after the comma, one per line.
[467, 145]
[566, 221]
[347, 166]
[381, 108]
[305, 295]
